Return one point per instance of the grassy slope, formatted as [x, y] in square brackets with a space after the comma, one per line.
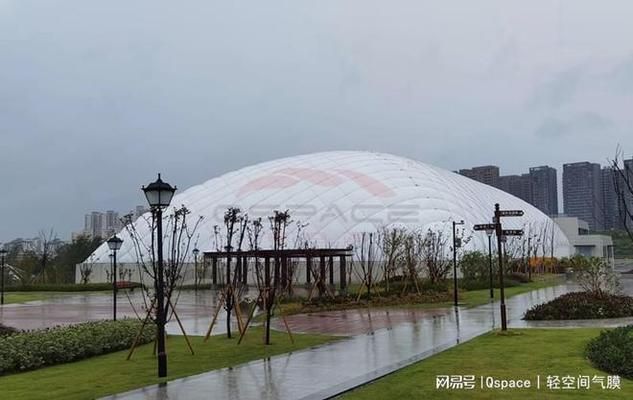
[108, 374]
[520, 356]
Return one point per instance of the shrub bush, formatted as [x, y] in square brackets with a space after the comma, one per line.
[475, 266]
[485, 283]
[582, 305]
[612, 351]
[35, 349]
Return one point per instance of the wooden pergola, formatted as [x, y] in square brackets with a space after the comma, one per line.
[281, 259]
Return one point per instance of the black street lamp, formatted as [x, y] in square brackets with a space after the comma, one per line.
[456, 243]
[195, 267]
[489, 232]
[3, 253]
[114, 243]
[159, 195]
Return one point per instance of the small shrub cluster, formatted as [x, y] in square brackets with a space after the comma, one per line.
[35, 349]
[582, 305]
[485, 284]
[400, 286]
[343, 302]
[612, 351]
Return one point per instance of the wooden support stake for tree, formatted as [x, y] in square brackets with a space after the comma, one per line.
[182, 329]
[250, 317]
[215, 317]
[238, 314]
[140, 332]
[283, 318]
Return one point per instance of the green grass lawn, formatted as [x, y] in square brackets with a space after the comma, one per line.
[474, 298]
[467, 298]
[521, 354]
[23, 297]
[111, 373]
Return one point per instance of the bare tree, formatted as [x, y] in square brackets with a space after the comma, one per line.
[86, 268]
[623, 184]
[392, 241]
[433, 253]
[45, 251]
[367, 255]
[177, 237]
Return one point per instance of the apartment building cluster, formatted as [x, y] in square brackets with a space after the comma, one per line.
[98, 224]
[590, 191]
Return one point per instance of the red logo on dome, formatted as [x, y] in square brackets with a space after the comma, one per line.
[287, 177]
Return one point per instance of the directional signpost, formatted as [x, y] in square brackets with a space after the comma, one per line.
[510, 213]
[484, 227]
[501, 235]
[490, 229]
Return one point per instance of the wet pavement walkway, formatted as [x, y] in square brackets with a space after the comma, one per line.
[195, 310]
[331, 369]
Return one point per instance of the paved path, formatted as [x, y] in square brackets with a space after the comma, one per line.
[194, 309]
[328, 370]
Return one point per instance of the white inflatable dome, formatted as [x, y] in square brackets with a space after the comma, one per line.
[336, 195]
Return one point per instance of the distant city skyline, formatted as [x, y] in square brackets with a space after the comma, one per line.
[501, 170]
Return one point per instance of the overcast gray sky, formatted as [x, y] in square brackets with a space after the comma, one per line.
[96, 97]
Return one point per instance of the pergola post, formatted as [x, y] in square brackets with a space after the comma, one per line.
[331, 270]
[284, 273]
[245, 270]
[308, 269]
[343, 274]
[322, 270]
[214, 271]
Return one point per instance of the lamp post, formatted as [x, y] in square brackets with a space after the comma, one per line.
[195, 267]
[3, 253]
[159, 195]
[489, 232]
[114, 243]
[456, 244]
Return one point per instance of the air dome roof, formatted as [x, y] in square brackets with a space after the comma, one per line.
[336, 195]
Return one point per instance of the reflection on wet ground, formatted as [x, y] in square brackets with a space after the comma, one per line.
[195, 310]
[327, 370]
[385, 340]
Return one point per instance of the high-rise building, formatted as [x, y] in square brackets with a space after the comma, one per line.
[517, 185]
[582, 193]
[611, 199]
[93, 224]
[625, 195]
[488, 174]
[112, 223]
[544, 189]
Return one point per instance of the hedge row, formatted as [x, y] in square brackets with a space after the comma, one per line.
[582, 305]
[612, 351]
[35, 349]
[65, 287]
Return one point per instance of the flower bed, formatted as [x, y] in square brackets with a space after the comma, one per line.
[582, 305]
[35, 349]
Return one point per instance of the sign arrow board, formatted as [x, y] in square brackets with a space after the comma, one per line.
[511, 213]
[512, 232]
[483, 227]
